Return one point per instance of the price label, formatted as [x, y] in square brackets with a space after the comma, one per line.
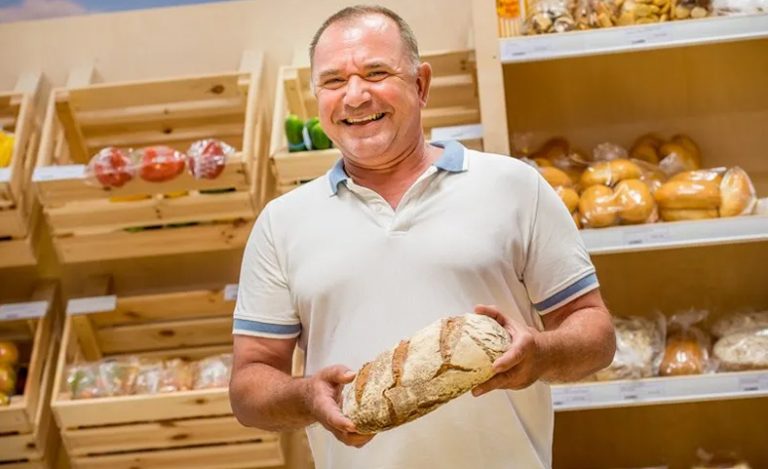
[641, 391]
[94, 304]
[28, 310]
[57, 173]
[5, 174]
[753, 383]
[458, 132]
[646, 35]
[570, 397]
[230, 292]
[527, 48]
[650, 235]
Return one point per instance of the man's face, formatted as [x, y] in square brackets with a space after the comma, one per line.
[369, 93]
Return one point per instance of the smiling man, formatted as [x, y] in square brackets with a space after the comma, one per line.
[399, 233]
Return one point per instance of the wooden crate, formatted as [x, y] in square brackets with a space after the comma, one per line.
[453, 101]
[185, 429]
[28, 435]
[18, 207]
[82, 118]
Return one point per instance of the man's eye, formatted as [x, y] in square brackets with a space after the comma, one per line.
[377, 74]
[333, 82]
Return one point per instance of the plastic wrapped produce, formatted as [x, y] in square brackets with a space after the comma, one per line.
[687, 348]
[635, 202]
[163, 376]
[213, 372]
[208, 158]
[83, 381]
[597, 207]
[159, 163]
[549, 16]
[111, 167]
[639, 348]
[692, 195]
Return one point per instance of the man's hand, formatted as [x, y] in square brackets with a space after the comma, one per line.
[520, 366]
[324, 400]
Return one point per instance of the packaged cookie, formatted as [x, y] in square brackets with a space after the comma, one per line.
[549, 16]
[685, 9]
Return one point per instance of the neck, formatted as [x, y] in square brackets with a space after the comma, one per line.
[392, 179]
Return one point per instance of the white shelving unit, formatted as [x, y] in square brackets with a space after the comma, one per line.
[654, 391]
[632, 38]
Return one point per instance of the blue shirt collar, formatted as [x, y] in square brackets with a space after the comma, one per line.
[452, 160]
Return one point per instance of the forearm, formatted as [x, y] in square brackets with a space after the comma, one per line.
[267, 398]
[581, 345]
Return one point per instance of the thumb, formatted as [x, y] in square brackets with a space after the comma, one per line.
[339, 374]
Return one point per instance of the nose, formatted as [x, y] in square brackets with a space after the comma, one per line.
[356, 92]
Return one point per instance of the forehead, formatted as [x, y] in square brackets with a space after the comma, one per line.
[361, 38]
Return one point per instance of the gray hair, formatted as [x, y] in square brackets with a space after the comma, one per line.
[406, 33]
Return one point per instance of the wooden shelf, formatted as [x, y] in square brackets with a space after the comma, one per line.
[654, 391]
[673, 235]
[632, 38]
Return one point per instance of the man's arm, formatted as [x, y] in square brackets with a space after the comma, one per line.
[265, 395]
[577, 340]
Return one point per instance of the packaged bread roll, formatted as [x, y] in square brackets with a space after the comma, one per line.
[682, 214]
[610, 173]
[646, 148]
[598, 208]
[569, 197]
[635, 202]
[687, 349]
[555, 177]
[742, 351]
[439, 363]
[737, 194]
[684, 194]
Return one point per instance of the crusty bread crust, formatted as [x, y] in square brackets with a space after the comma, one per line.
[439, 363]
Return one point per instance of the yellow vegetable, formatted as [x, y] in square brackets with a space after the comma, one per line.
[6, 149]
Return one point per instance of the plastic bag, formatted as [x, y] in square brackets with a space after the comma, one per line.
[691, 195]
[213, 372]
[111, 167]
[719, 460]
[639, 12]
[742, 351]
[740, 322]
[738, 7]
[549, 16]
[208, 158]
[610, 173]
[159, 163]
[687, 348]
[695, 9]
[82, 380]
[639, 349]
[596, 13]
[737, 193]
[163, 376]
[110, 377]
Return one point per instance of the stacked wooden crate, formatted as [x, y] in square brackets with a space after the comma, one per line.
[182, 215]
[189, 429]
[452, 102]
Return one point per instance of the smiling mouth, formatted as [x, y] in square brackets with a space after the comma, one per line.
[363, 120]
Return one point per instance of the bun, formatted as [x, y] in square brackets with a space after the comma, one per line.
[555, 177]
[609, 173]
[688, 194]
[737, 194]
[569, 197]
[698, 175]
[679, 157]
[439, 363]
[681, 214]
[635, 201]
[598, 207]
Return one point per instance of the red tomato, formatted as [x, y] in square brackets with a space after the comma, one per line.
[112, 167]
[207, 158]
[159, 164]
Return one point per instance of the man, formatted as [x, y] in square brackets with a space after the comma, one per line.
[398, 234]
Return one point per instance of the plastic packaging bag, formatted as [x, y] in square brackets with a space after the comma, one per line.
[213, 372]
[740, 322]
[639, 349]
[549, 16]
[695, 9]
[739, 7]
[687, 347]
[159, 163]
[609, 173]
[640, 12]
[208, 158]
[110, 167]
[737, 193]
[163, 376]
[742, 351]
[82, 380]
[691, 195]
[110, 377]
[597, 13]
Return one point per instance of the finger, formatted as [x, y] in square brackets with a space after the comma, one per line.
[357, 440]
[497, 382]
[338, 420]
[338, 374]
[513, 356]
[493, 312]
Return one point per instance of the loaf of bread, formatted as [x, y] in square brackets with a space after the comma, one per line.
[743, 351]
[688, 195]
[439, 363]
[737, 193]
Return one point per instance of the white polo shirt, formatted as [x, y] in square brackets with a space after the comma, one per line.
[332, 263]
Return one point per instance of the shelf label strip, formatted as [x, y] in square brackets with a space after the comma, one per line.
[94, 304]
[27, 310]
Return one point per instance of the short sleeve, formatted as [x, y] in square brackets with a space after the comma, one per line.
[557, 267]
[264, 307]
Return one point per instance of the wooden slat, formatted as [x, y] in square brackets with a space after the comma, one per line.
[163, 91]
[165, 136]
[12, 223]
[86, 337]
[452, 62]
[448, 116]
[18, 447]
[17, 253]
[294, 95]
[184, 353]
[58, 192]
[212, 108]
[78, 151]
[305, 165]
[165, 335]
[168, 434]
[15, 418]
[141, 408]
[165, 307]
[123, 245]
[112, 216]
[243, 455]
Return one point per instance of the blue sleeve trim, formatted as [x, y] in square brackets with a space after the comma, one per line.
[257, 327]
[562, 295]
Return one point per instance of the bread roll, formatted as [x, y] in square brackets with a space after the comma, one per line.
[609, 173]
[646, 153]
[675, 158]
[688, 143]
[688, 194]
[555, 177]
[598, 207]
[737, 194]
[569, 197]
[553, 149]
[683, 355]
[635, 201]
[711, 175]
[682, 214]
[442, 361]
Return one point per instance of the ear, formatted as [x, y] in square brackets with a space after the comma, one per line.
[423, 80]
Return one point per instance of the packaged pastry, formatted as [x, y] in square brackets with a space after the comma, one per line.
[740, 322]
[213, 372]
[687, 347]
[596, 13]
[681, 194]
[635, 202]
[737, 194]
[157, 376]
[742, 351]
[610, 173]
[647, 148]
[695, 9]
[555, 177]
[557, 152]
[639, 348]
[569, 197]
[109, 377]
[549, 16]
[597, 207]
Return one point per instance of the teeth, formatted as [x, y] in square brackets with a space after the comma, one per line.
[372, 117]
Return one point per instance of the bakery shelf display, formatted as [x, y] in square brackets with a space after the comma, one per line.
[28, 435]
[141, 381]
[19, 211]
[296, 156]
[154, 167]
